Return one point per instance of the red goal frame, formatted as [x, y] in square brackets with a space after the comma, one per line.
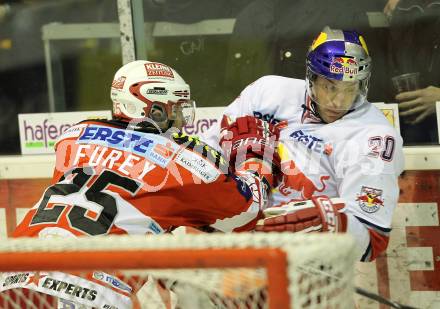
[272, 259]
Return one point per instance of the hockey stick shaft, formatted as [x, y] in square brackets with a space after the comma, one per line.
[359, 290]
[381, 299]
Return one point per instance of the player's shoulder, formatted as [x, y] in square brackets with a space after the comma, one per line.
[376, 115]
[112, 123]
[371, 129]
[78, 129]
[272, 97]
[196, 153]
[276, 81]
[369, 120]
[268, 91]
[367, 127]
[377, 122]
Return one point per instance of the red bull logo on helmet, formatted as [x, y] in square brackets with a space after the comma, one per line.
[344, 65]
[370, 199]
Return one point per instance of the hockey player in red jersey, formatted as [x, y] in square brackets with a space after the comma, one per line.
[138, 174]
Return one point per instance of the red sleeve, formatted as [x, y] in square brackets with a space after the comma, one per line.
[378, 244]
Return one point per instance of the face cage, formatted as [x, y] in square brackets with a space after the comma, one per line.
[163, 112]
[357, 102]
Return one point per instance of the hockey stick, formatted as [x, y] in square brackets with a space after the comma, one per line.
[359, 290]
[381, 299]
[294, 206]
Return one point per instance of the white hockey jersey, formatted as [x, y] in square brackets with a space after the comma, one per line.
[358, 157]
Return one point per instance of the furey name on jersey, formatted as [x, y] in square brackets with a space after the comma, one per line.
[155, 148]
[104, 146]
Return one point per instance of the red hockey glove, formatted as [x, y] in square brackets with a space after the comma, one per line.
[319, 214]
[248, 138]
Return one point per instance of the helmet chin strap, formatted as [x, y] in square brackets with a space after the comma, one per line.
[313, 108]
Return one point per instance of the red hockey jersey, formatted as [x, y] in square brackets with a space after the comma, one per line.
[112, 180]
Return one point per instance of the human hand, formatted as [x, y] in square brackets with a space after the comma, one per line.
[249, 138]
[320, 214]
[417, 105]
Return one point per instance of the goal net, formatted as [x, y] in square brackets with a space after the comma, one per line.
[244, 270]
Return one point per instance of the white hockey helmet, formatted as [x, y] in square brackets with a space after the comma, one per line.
[144, 89]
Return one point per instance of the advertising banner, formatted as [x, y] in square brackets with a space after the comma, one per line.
[205, 118]
[39, 131]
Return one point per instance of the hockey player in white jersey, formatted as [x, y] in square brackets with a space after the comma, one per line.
[336, 144]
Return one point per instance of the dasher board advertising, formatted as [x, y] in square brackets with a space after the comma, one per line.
[39, 131]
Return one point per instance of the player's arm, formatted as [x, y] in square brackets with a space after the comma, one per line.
[249, 143]
[368, 185]
[320, 214]
[250, 146]
[243, 105]
[371, 200]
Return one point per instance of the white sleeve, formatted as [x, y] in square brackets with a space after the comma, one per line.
[360, 234]
[243, 105]
[368, 182]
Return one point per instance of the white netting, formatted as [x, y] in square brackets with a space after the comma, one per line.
[320, 270]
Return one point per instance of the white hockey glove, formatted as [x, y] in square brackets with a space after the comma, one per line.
[320, 214]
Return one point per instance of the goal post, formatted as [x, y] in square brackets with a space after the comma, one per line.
[244, 270]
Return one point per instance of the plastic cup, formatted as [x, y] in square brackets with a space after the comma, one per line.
[406, 82]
